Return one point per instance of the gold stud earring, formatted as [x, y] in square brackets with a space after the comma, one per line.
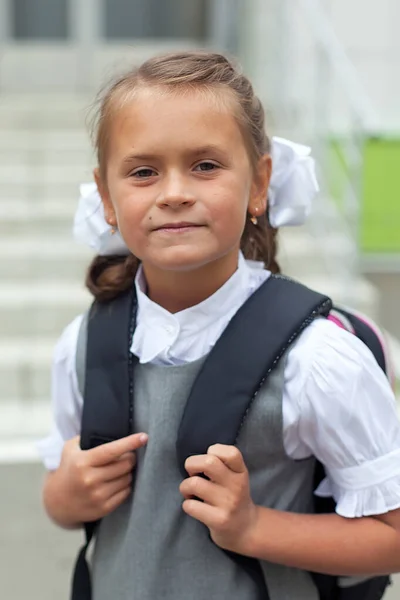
[254, 219]
[113, 227]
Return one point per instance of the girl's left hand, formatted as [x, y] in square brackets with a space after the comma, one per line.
[225, 505]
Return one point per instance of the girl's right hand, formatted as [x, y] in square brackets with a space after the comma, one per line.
[90, 484]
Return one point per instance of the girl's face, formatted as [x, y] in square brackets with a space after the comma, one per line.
[179, 180]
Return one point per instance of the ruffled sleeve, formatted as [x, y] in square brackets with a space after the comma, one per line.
[380, 496]
[66, 399]
[349, 421]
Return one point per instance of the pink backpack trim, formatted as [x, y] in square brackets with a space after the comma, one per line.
[341, 321]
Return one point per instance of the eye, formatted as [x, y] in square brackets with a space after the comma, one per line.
[144, 173]
[206, 166]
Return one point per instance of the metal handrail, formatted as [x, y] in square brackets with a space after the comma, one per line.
[331, 55]
[347, 73]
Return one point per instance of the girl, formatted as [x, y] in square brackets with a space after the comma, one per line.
[184, 173]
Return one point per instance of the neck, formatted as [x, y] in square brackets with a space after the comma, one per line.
[178, 290]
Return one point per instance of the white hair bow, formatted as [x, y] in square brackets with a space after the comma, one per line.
[293, 187]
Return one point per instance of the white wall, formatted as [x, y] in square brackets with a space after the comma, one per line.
[280, 54]
[369, 30]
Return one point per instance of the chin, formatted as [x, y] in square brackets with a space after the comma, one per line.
[182, 259]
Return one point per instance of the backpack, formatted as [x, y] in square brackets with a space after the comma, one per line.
[266, 325]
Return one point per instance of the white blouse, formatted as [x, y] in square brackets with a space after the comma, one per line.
[337, 403]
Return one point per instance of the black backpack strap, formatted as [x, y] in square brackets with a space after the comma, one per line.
[370, 589]
[108, 390]
[248, 350]
[81, 581]
[238, 365]
[330, 588]
[108, 373]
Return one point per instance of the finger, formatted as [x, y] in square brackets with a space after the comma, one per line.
[230, 456]
[116, 486]
[212, 467]
[127, 456]
[207, 491]
[117, 500]
[205, 513]
[107, 453]
[116, 469]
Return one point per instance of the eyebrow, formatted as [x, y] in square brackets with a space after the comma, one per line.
[201, 151]
[143, 157]
[208, 149]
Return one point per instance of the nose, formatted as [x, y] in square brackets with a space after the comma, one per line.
[175, 193]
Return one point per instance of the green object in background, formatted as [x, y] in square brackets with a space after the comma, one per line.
[380, 217]
[379, 228]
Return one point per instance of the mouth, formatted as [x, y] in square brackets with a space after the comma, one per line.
[181, 227]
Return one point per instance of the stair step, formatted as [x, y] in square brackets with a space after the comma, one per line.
[18, 450]
[24, 219]
[45, 293]
[43, 191]
[31, 352]
[22, 425]
[42, 248]
[52, 247]
[38, 140]
[41, 257]
[24, 418]
[43, 174]
[23, 210]
[25, 368]
[49, 157]
[299, 253]
[359, 295]
[40, 308]
[36, 268]
[41, 102]
[293, 241]
[37, 118]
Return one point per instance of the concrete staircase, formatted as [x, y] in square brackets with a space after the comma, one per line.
[44, 155]
[300, 257]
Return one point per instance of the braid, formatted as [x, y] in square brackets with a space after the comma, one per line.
[259, 242]
[109, 276]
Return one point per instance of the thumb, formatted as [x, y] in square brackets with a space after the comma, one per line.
[74, 442]
[72, 446]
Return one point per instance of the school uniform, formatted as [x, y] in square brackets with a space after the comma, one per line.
[327, 399]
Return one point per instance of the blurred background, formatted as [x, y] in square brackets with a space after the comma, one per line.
[327, 72]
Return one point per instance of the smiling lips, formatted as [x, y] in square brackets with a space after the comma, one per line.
[181, 227]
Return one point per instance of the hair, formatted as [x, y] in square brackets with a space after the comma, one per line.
[110, 276]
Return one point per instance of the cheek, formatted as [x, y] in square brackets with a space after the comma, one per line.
[130, 207]
[228, 206]
[131, 214]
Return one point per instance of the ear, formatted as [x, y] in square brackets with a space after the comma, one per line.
[259, 187]
[109, 211]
